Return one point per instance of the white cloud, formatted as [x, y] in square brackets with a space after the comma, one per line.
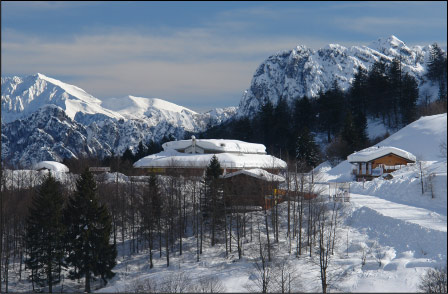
[183, 64]
[377, 25]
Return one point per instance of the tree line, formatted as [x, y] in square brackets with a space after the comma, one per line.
[52, 230]
[59, 231]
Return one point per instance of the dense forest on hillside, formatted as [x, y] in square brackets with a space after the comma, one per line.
[383, 92]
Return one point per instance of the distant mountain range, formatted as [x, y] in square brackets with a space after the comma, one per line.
[303, 71]
[46, 119]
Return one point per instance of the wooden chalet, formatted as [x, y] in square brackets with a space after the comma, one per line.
[375, 161]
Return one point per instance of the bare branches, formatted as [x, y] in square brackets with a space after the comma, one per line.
[434, 281]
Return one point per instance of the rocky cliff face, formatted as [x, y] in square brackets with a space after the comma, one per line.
[303, 71]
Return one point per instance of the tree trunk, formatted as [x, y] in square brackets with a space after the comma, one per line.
[167, 248]
[151, 265]
[87, 283]
[267, 234]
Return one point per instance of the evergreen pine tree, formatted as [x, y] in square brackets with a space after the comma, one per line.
[141, 151]
[213, 196]
[331, 106]
[408, 103]
[45, 234]
[436, 64]
[378, 90]
[266, 120]
[395, 92]
[242, 129]
[280, 125]
[307, 149]
[357, 92]
[128, 156]
[303, 114]
[89, 227]
[153, 148]
[348, 132]
[360, 122]
[442, 91]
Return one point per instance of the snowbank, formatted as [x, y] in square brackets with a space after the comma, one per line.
[51, 165]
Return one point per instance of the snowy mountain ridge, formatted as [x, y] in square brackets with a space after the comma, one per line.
[39, 106]
[22, 96]
[304, 71]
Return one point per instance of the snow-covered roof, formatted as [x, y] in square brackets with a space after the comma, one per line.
[217, 145]
[51, 165]
[257, 173]
[374, 152]
[173, 158]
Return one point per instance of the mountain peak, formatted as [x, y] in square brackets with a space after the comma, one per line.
[391, 42]
[40, 76]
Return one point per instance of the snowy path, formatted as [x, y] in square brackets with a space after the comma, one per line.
[420, 216]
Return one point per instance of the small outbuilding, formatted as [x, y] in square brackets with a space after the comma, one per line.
[375, 161]
[252, 189]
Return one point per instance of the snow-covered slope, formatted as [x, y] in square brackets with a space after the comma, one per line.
[303, 71]
[41, 107]
[422, 137]
[140, 107]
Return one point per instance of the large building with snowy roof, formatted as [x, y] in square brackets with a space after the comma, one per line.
[193, 156]
[374, 161]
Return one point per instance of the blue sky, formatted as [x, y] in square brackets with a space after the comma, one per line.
[196, 54]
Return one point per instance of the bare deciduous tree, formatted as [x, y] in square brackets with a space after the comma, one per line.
[434, 281]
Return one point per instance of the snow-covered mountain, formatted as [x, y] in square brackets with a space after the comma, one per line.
[303, 71]
[22, 96]
[46, 119]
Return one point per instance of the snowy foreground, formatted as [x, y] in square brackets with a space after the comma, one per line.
[400, 232]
